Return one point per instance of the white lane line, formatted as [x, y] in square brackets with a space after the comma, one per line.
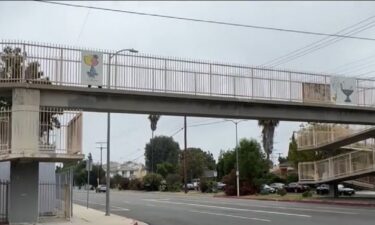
[233, 216]
[101, 204]
[278, 207]
[229, 208]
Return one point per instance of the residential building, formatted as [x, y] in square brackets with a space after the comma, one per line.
[129, 169]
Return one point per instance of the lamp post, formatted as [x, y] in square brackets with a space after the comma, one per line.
[108, 179]
[236, 122]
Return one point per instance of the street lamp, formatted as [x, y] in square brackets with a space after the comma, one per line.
[236, 122]
[108, 179]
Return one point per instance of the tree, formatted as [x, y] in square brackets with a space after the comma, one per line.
[253, 165]
[197, 162]
[161, 149]
[268, 132]
[165, 168]
[226, 163]
[153, 122]
[282, 160]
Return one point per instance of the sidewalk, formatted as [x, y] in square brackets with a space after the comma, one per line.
[84, 216]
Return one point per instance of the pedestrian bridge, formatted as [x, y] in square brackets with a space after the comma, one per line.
[359, 162]
[141, 83]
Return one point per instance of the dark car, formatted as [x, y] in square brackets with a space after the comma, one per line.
[322, 189]
[296, 187]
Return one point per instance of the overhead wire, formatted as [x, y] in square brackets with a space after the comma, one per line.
[314, 46]
[208, 21]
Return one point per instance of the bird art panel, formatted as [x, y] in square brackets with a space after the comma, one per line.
[92, 68]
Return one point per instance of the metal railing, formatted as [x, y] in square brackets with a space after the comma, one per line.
[5, 128]
[314, 136]
[55, 198]
[4, 203]
[61, 65]
[337, 167]
[59, 131]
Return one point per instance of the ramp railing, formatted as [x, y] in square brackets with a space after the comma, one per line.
[341, 166]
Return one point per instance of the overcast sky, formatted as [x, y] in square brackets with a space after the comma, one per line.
[41, 22]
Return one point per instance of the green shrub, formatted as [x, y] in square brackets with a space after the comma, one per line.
[152, 181]
[208, 186]
[281, 192]
[264, 192]
[135, 184]
[124, 184]
[307, 194]
[173, 182]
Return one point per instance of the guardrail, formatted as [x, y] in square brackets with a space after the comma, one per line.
[61, 65]
[337, 167]
[315, 136]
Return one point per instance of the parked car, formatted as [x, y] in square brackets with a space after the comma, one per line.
[196, 183]
[267, 188]
[101, 188]
[277, 186]
[190, 186]
[220, 186]
[322, 189]
[296, 187]
[345, 191]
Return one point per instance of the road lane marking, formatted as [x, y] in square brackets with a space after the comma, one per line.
[232, 216]
[277, 207]
[229, 208]
[101, 204]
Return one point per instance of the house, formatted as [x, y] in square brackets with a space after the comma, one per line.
[129, 169]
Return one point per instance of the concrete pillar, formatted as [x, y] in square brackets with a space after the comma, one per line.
[25, 120]
[333, 190]
[24, 175]
[24, 184]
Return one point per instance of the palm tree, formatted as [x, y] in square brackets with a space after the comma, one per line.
[268, 133]
[154, 121]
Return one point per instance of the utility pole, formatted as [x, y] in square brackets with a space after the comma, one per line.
[88, 168]
[101, 148]
[185, 154]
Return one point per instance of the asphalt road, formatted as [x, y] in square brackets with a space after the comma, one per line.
[180, 209]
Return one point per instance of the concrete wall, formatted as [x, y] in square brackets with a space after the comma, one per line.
[24, 182]
[4, 170]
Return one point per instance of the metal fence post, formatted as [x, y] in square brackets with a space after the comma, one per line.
[61, 66]
[165, 75]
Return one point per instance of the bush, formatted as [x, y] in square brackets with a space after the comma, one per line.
[307, 194]
[135, 184]
[230, 190]
[208, 186]
[124, 184]
[292, 178]
[281, 192]
[173, 182]
[264, 192]
[152, 181]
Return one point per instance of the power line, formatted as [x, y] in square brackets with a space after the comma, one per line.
[202, 124]
[209, 21]
[312, 47]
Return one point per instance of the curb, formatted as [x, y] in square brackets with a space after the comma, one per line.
[307, 201]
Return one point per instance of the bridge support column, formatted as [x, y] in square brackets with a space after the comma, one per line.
[333, 190]
[24, 174]
[24, 183]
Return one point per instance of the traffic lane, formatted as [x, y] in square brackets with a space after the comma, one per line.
[234, 210]
[159, 214]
